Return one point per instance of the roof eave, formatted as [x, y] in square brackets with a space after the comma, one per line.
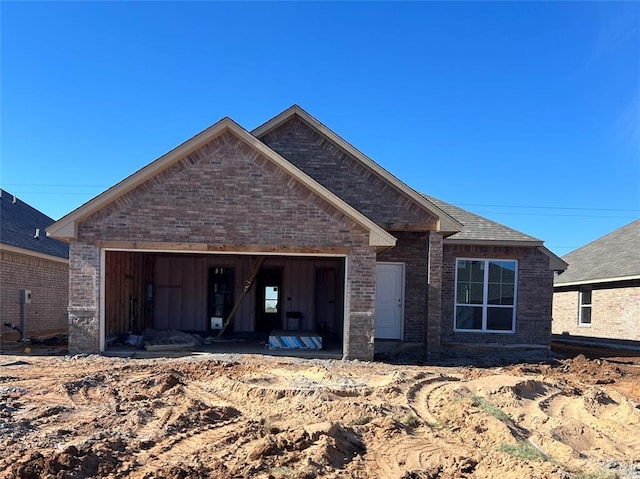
[486, 242]
[556, 263]
[35, 254]
[597, 281]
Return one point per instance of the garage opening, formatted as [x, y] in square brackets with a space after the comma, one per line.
[290, 299]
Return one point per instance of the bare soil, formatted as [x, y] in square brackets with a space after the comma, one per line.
[253, 416]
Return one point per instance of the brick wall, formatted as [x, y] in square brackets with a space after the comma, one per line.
[84, 298]
[360, 304]
[345, 176]
[411, 249]
[225, 193]
[435, 326]
[615, 312]
[534, 300]
[48, 281]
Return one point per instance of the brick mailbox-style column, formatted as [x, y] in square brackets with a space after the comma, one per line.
[84, 298]
[360, 305]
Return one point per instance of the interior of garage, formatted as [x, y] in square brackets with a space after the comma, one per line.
[223, 296]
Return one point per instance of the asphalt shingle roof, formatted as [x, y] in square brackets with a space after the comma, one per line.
[479, 228]
[18, 223]
[615, 255]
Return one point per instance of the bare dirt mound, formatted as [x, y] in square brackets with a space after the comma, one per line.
[265, 417]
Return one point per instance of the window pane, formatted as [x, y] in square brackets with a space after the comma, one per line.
[477, 291]
[469, 293]
[585, 315]
[502, 272]
[494, 293]
[464, 270]
[500, 294]
[468, 317]
[500, 319]
[271, 299]
[477, 271]
[463, 295]
[585, 295]
[495, 272]
[509, 272]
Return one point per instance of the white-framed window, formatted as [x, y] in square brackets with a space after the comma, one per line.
[485, 295]
[584, 313]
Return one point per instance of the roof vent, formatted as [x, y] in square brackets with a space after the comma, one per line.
[37, 235]
[14, 200]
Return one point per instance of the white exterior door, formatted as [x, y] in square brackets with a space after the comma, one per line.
[389, 300]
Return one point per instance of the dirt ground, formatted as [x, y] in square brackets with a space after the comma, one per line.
[253, 416]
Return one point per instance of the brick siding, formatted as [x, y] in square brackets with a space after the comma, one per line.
[342, 174]
[435, 326]
[360, 304]
[84, 298]
[615, 312]
[225, 193]
[48, 281]
[534, 300]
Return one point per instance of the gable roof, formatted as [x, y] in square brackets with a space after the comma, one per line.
[18, 224]
[613, 257]
[480, 230]
[66, 227]
[445, 222]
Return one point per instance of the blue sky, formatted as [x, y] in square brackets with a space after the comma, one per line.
[525, 112]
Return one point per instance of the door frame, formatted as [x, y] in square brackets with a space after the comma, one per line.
[403, 268]
[260, 315]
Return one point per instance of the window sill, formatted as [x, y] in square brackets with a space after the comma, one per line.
[482, 331]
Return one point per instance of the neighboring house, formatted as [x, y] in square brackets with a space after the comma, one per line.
[598, 296]
[34, 273]
[347, 248]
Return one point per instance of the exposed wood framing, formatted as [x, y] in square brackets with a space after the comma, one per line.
[247, 287]
[203, 247]
[124, 295]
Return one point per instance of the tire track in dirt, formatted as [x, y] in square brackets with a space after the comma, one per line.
[421, 449]
[183, 448]
[401, 454]
[418, 397]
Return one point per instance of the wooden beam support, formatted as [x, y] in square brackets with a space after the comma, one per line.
[245, 291]
[222, 248]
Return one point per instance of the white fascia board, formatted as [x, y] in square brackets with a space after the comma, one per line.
[597, 281]
[492, 242]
